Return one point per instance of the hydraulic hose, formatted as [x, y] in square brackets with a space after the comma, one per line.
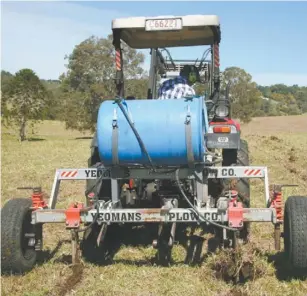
[118, 101]
[141, 143]
[195, 210]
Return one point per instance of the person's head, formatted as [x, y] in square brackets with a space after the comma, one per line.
[190, 73]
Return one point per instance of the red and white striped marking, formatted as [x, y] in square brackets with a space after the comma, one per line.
[118, 60]
[68, 174]
[253, 172]
[216, 51]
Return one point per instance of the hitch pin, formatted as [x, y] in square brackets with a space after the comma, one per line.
[276, 187]
[35, 189]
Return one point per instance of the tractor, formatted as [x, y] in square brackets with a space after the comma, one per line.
[156, 162]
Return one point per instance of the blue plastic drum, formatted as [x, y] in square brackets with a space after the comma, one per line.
[161, 125]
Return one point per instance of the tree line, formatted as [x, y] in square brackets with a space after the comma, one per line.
[89, 79]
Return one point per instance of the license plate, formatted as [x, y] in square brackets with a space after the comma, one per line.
[222, 139]
[163, 24]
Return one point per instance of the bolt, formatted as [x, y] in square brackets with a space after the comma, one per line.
[76, 223]
[155, 243]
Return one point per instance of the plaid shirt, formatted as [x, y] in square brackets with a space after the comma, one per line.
[175, 89]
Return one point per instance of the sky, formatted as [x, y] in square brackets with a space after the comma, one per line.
[267, 39]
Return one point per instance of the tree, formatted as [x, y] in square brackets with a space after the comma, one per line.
[201, 88]
[265, 90]
[90, 79]
[54, 110]
[6, 77]
[245, 97]
[137, 88]
[301, 99]
[26, 99]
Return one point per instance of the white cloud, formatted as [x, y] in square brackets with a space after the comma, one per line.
[283, 78]
[39, 35]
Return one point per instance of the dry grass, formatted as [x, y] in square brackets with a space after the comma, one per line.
[279, 143]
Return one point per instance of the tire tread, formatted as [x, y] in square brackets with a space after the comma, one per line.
[296, 213]
[12, 218]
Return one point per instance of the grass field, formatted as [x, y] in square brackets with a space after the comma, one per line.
[279, 143]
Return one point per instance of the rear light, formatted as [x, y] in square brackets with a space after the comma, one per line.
[222, 129]
[131, 184]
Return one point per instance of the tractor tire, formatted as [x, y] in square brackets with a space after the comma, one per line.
[16, 254]
[243, 185]
[295, 231]
[239, 157]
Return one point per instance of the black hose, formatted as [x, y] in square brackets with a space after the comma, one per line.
[141, 143]
[195, 210]
[118, 101]
[170, 57]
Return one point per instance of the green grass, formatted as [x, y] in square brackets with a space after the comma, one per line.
[133, 272]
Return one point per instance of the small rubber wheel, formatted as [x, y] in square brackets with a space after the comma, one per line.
[295, 231]
[18, 253]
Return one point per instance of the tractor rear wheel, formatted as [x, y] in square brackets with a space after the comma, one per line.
[239, 157]
[18, 253]
[232, 157]
[295, 231]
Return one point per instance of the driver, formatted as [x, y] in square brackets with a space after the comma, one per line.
[180, 86]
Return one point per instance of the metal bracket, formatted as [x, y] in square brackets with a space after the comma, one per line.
[200, 173]
[235, 214]
[73, 215]
[169, 203]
